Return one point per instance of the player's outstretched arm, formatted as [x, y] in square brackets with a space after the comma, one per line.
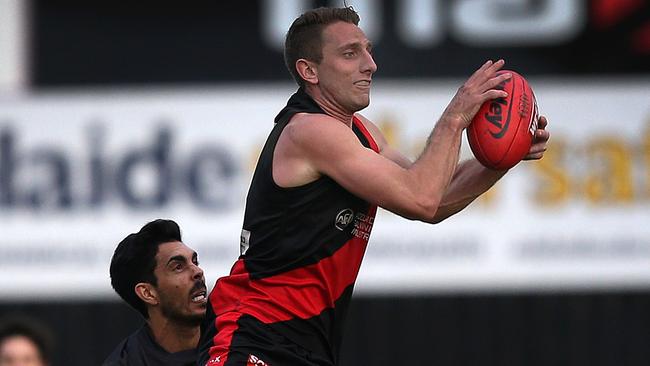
[470, 179]
[328, 147]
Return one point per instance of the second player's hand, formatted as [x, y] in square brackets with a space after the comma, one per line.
[480, 87]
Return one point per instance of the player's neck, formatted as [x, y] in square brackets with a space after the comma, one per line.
[174, 336]
[330, 107]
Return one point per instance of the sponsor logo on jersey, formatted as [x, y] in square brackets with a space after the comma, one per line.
[255, 361]
[343, 219]
[362, 226]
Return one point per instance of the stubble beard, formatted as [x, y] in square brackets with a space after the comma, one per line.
[174, 312]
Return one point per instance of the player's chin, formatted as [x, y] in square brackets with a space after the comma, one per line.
[195, 318]
[197, 311]
[361, 102]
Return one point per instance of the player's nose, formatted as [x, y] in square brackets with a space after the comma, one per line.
[368, 64]
[198, 272]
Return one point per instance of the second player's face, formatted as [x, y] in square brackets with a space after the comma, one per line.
[181, 284]
[346, 69]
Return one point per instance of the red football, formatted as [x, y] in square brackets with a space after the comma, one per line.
[502, 131]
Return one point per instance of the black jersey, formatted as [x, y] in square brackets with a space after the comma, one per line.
[140, 349]
[301, 249]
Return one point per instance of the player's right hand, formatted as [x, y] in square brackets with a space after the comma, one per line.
[480, 87]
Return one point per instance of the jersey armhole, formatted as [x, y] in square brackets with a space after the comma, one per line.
[373, 144]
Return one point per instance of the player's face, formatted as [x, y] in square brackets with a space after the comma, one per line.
[181, 285]
[19, 351]
[346, 69]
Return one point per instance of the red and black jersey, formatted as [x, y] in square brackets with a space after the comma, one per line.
[301, 249]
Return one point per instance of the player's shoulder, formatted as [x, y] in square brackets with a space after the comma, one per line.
[311, 120]
[128, 349]
[119, 355]
[307, 128]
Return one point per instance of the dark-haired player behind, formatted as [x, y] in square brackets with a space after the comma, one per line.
[159, 276]
[312, 202]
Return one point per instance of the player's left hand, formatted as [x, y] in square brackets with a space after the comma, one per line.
[540, 140]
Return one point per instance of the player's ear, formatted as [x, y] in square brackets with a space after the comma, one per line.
[307, 71]
[147, 293]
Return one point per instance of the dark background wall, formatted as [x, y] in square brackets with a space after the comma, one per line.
[608, 329]
[89, 43]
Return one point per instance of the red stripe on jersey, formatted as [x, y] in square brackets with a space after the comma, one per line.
[300, 293]
[365, 132]
[226, 326]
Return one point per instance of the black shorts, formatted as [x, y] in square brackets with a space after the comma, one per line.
[242, 340]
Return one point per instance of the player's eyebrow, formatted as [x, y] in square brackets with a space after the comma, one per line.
[357, 45]
[178, 258]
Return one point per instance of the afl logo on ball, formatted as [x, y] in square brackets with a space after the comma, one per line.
[343, 219]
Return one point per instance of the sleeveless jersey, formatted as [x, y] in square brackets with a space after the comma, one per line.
[301, 252]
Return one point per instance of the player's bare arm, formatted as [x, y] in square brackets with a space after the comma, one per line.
[385, 149]
[319, 144]
[470, 179]
[315, 144]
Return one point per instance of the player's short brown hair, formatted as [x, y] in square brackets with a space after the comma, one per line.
[304, 38]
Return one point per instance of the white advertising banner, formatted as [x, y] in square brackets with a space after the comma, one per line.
[80, 171]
